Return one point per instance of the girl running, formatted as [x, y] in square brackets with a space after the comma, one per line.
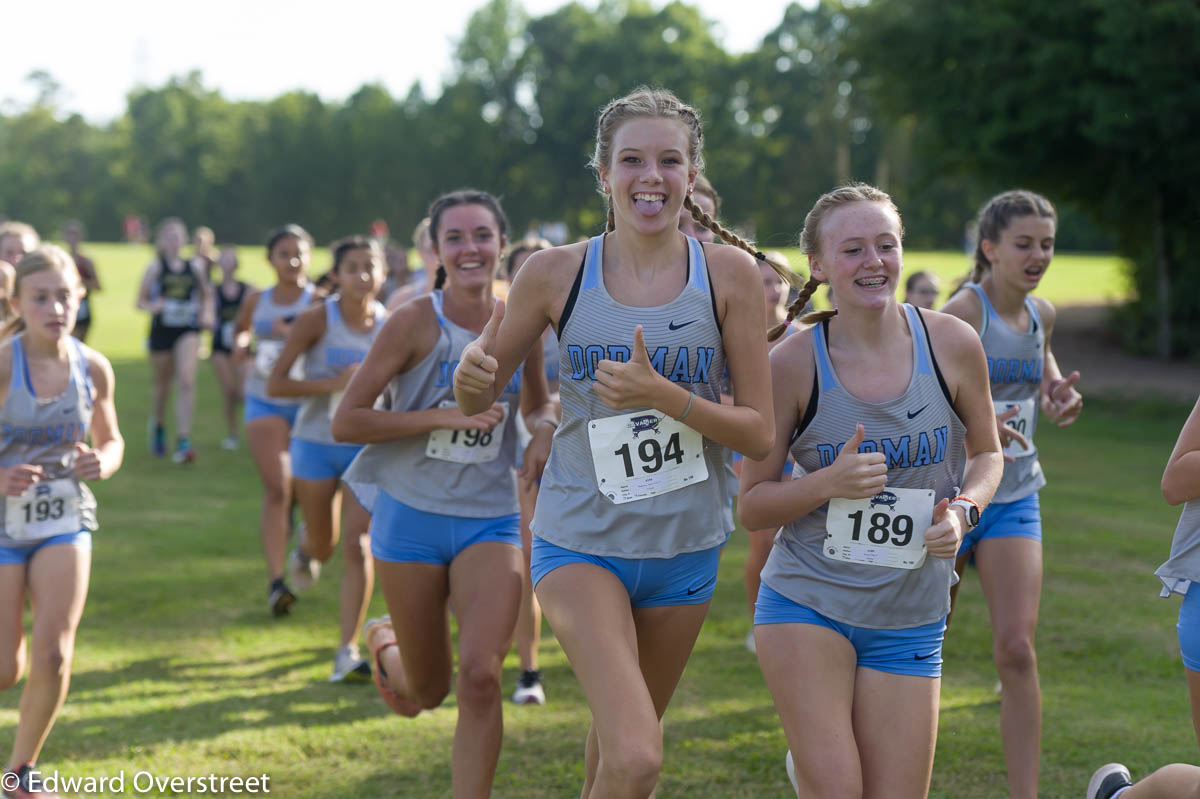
[177, 294]
[332, 337]
[231, 374]
[1016, 244]
[1180, 484]
[55, 395]
[634, 504]
[875, 404]
[269, 314]
[445, 524]
[530, 688]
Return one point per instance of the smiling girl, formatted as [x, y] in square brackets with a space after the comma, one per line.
[56, 394]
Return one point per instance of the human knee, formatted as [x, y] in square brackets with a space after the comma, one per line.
[634, 760]
[430, 692]
[1015, 653]
[478, 681]
[53, 657]
[10, 669]
[275, 493]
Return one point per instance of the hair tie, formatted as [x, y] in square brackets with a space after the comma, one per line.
[759, 255]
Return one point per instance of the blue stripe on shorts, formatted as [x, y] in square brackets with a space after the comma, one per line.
[256, 408]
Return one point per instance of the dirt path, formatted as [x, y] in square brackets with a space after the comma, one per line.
[1082, 341]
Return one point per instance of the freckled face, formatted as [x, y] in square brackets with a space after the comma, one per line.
[860, 254]
[650, 173]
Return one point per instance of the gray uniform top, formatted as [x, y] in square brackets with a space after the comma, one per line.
[1184, 564]
[404, 470]
[43, 432]
[683, 340]
[338, 348]
[923, 440]
[266, 311]
[550, 359]
[1015, 368]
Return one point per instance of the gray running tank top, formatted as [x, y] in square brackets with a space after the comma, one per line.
[683, 340]
[1015, 368]
[44, 432]
[923, 440]
[1183, 567]
[402, 469]
[261, 321]
[338, 348]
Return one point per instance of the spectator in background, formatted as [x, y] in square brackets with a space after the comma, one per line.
[73, 235]
[203, 252]
[921, 289]
[16, 239]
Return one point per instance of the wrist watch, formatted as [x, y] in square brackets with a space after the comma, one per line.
[970, 510]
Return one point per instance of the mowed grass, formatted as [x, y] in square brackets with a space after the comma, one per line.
[180, 671]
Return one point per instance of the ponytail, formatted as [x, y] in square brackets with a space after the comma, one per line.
[612, 219]
[441, 278]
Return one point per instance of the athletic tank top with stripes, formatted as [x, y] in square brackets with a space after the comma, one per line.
[1183, 567]
[43, 432]
[683, 341]
[337, 349]
[268, 344]
[406, 470]
[923, 440]
[1015, 369]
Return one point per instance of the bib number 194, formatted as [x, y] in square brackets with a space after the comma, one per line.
[643, 454]
[650, 455]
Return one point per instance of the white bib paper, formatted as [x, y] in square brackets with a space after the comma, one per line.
[178, 313]
[47, 508]
[227, 329]
[1022, 422]
[267, 352]
[886, 530]
[466, 446]
[643, 454]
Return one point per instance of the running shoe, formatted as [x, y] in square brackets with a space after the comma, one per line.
[302, 570]
[280, 598]
[751, 645]
[23, 784]
[230, 443]
[379, 635]
[184, 452]
[790, 765]
[529, 689]
[158, 439]
[349, 667]
[1108, 780]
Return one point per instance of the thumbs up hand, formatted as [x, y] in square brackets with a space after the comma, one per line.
[476, 371]
[854, 474]
[632, 383]
[944, 535]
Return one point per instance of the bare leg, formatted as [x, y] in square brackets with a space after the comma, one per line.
[231, 389]
[58, 583]
[319, 504]
[420, 665]
[12, 629]
[1176, 781]
[359, 575]
[187, 355]
[529, 618]
[268, 439]
[761, 542]
[162, 370]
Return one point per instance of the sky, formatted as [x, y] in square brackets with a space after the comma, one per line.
[257, 49]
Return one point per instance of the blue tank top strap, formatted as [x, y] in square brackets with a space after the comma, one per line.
[923, 362]
[697, 267]
[593, 263]
[81, 371]
[439, 311]
[826, 378]
[988, 310]
[1036, 317]
[20, 368]
[333, 312]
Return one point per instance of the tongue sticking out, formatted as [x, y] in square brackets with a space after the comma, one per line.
[648, 207]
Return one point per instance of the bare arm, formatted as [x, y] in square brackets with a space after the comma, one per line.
[1181, 480]
[241, 326]
[104, 457]
[208, 304]
[303, 336]
[1060, 401]
[144, 301]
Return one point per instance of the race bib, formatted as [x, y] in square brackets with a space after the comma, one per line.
[178, 313]
[227, 330]
[466, 446]
[644, 454]
[47, 508]
[1022, 422]
[886, 530]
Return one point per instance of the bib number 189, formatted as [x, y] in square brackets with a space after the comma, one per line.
[882, 528]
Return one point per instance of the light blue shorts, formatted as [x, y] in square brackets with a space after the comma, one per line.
[315, 461]
[687, 579]
[1020, 519]
[403, 534]
[256, 408]
[915, 651]
[22, 553]
[1188, 628]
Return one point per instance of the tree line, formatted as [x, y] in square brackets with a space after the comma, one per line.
[942, 104]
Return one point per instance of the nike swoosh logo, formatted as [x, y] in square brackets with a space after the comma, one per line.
[1027, 521]
[924, 657]
[701, 587]
[914, 414]
[673, 326]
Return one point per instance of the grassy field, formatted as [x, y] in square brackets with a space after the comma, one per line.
[180, 670]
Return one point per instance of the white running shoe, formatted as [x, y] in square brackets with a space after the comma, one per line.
[349, 667]
[302, 571]
[1108, 780]
[750, 643]
[791, 772]
[529, 689]
[230, 443]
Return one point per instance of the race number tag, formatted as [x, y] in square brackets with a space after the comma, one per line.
[644, 454]
[265, 356]
[47, 508]
[466, 446]
[1022, 422]
[886, 530]
[178, 313]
